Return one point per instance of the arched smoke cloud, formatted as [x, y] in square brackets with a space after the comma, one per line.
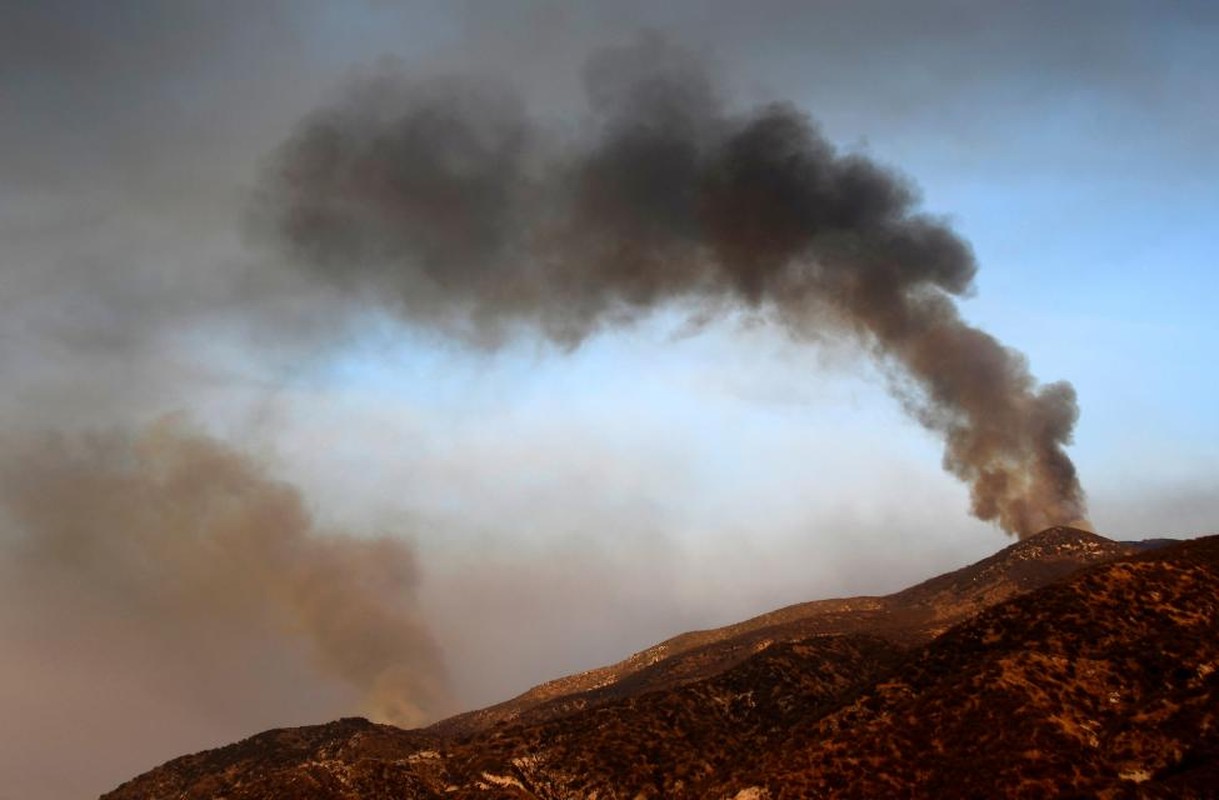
[177, 531]
[446, 201]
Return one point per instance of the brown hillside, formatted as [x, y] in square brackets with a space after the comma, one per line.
[1101, 683]
[1104, 685]
[350, 758]
[912, 616]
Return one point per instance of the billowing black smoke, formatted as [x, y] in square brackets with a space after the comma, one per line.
[445, 201]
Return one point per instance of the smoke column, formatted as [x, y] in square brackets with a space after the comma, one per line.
[176, 532]
[445, 201]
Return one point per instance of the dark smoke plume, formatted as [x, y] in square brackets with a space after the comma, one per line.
[445, 201]
[177, 532]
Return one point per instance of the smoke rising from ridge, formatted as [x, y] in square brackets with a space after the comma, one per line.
[447, 202]
[178, 532]
[133, 131]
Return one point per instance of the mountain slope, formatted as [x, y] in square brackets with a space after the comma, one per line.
[346, 758]
[1106, 684]
[909, 617]
[1099, 683]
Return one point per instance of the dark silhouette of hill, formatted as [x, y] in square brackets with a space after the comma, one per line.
[1053, 682]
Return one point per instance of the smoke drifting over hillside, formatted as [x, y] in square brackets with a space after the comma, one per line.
[181, 536]
[446, 201]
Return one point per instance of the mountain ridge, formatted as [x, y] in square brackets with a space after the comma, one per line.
[767, 723]
[909, 616]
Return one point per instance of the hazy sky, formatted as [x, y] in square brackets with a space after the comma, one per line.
[332, 471]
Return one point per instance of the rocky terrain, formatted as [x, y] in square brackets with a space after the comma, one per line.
[1065, 665]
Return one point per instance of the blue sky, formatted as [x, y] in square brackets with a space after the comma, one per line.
[1075, 161]
[1073, 155]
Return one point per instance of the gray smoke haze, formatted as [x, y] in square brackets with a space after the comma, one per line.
[445, 201]
[178, 534]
